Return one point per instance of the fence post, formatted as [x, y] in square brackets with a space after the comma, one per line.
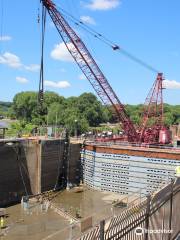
[171, 206]
[147, 217]
[102, 224]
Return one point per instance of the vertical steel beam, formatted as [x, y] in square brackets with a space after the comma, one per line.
[171, 208]
[102, 225]
[147, 217]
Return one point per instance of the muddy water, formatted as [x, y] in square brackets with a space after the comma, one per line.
[31, 225]
[35, 224]
[88, 203]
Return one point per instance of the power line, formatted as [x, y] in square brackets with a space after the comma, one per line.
[106, 40]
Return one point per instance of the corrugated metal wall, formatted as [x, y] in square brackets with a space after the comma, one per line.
[124, 173]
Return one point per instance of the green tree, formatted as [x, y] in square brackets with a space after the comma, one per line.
[90, 108]
[25, 105]
[73, 124]
[52, 97]
[56, 113]
[11, 113]
[168, 118]
[86, 109]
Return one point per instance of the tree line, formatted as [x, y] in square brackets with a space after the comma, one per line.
[74, 112]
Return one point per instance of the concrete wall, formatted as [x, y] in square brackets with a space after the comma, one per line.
[12, 170]
[33, 158]
[39, 164]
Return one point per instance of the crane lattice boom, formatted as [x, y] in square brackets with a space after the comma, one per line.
[153, 113]
[89, 67]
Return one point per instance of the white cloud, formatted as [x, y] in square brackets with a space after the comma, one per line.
[88, 19]
[61, 53]
[102, 4]
[60, 84]
[22, 80]
[82, 77]
[32, 67]
[11, 60]
[171, 84]
[5, 38]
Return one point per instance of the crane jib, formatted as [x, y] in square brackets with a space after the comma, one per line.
[90, 69]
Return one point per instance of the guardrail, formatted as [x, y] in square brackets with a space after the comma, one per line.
[157, 217]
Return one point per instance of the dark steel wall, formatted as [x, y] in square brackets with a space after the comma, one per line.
[11, 168]
[51, 163]
[40, 164]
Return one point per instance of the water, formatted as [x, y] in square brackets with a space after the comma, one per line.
[32, 225]
[35, 224]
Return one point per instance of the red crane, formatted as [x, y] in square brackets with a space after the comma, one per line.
[89, 67]
[152, 125]
[152, 119]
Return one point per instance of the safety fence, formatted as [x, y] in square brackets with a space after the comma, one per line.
[157, 217]
[154, 217]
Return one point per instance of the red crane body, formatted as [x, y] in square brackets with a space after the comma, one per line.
[152, 120]
[153, 110]
[153, 107]
[89, 67]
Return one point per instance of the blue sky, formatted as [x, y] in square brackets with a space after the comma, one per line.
[149, 29]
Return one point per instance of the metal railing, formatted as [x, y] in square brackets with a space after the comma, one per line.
[157, 217]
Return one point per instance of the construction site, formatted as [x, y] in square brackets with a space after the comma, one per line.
[97, 186]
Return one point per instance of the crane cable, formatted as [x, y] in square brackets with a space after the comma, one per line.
[41, 77]
[106, 41]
